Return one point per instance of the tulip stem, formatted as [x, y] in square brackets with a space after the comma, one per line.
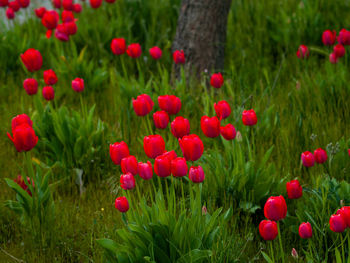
[123, 67]
[183, 205]
[347, 236]
[280, 240]
[271, 251]
[310, 248]
[342, 247]
[82, 106]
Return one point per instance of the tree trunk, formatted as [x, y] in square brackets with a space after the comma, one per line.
[201, 34]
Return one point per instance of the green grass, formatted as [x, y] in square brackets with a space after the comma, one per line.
[301, 105]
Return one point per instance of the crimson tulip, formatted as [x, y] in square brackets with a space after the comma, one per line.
[294, 190]
[145, 170]
[32, 59]
[328, 37]
[67, 16]
[56, 3]
[153, 145]
[4, 3]
[155, 52]
[19, 120]
[118, 151]
[142, 105]
[179, 57]
[337, 223]
[196, 174]
[39, 12]
[68, 5]
[333, 58]
[249, 117]
[20, 181]
[71, 28]
[345, 213]
[179, 167]
[161, 119]
[122, 204]
[48, 93]
[127, 181]
[217, 80]
[78, 85]
[162, 166]
[50, 19]
[303, 52]
[169, 103]
[170, 154]
[320, 155]
[77, 8]
[228, 131]
[110, 1]
[24, 3]
[222, 109]
[339, 50]
[344, 37]
[268, 229]
[14, 5]
[129, 165]
[180, 127]
[118, 46]
[50, 77]
[30, 86]
[308, 159]
[210, 126]
[191, 147]
[275, 208]
[95, 3]
[134, 50]
[305, 230]
[10, 14]
[24, 138]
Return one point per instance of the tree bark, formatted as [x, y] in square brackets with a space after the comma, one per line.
[201, 34]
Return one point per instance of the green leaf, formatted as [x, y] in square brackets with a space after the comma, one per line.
[266, 257]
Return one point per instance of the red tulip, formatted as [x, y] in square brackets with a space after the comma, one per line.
[303, 52]
[30, 86]
[77, 8]
[14, 5]
[24, 138]
[19, 120]
[339, 50]
[50, 77]
[78, 85]
[145, 170]
[170, 155]
[305, 230]
[169, 103]
[179, 167]
[10, 14]
[153, 145]
[48, 93]
[129, 165]
[24, 3]
[179, 57]
[210, 126]
[155, 52]
[110, 1]
[320, 155]
[222, 109]
[349, 152]
[32, 59]
[217, 80]
[162, 166]
[71, 28]
[20, 181]
[67, 16]
[61, 33]
[56, 3]
[345, 213]
[118, 46]
[308, 159]
[191, 147]
[344, 37]
[228, 131]
[95, 3]
[328, 37]
[249, 117]
[68, 5]
[333, 58]
[268, 229]
[294, 190]
[142, 105]
[122, 204]
[180, 127]
[337, 223]
[4, 3]
[39, 12]
[134, 50]
[161, 119]
[196, 174]
[127, 181]
[275, 208]
[118, 151]
[50, 19]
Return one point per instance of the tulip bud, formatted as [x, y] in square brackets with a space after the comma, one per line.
[333, 58]
[275, 208]
[180, 127]
[294, 253]
[320, 155]
[228, 131]
[67, 5]
[210, 126]
[50, 77]
[95, 3]
[20, 181]
[339, 50]
[337, 223]
[222, 109]
[48, 93]
[56, 3]
[155, 52]
[32, 59]
[179, 167]
[145, 170]
[118, 46]
[122, 204]
[305, 230]
[129, 165]
[134, 50]
[24, 138]
[169, 103]
[30, 86]
[161, 119]
[39, 12]
[303, 52]
[162, 166]
[127, 181]
[179, 57]
[142, 105]
[308, 159]
[204, 210]
[345, 213]
[153, 145]
[344, 37]
[10, 14]
[249, 117]
[196, 174]
[349, 152]
[78, 85]
[50, 19]
[77, 8]
[217, 80]
[268, 229]
[328, 37]
[19, 120]
[191, 147]
[294, 190]
[118, 151]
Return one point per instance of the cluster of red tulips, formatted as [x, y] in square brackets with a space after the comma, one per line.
[329, 38]
[13, 6]
[319, 156]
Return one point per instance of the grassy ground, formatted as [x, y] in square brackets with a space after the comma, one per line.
[301, 105]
